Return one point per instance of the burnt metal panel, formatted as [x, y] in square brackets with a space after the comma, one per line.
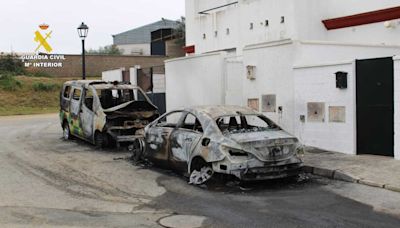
[375, 106]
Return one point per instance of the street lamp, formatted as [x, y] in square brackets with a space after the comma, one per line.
[83, 32]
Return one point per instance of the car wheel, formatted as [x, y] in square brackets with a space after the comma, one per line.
[100, 140]
[201, 172]
[137, 149]
[66, 132]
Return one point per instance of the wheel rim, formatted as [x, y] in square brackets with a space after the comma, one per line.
[202, 176]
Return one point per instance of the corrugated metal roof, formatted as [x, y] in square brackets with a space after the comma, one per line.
[142, 34]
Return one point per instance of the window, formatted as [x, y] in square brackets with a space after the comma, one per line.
[113, 97]
[251, 26]
[244, 123]
[192, 123]
[77, 94]
[67, 91]
[215, 33]
[204, 36]
[228, 31]
[266, 23]
[89, 99]
[282, 19]
[170, 120]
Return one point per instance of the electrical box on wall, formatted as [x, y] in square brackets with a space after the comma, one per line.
[341, 80]
[251, 72]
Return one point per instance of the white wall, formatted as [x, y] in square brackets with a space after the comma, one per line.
[314, 79]
[273, 62]
[318, 84]
[237, 19]
[303, 21]
[323, 52]
[135, 49]
[396, 107]
[159, 83]
[310, 13]
[235, 75]
[195, 80]
[112, 75]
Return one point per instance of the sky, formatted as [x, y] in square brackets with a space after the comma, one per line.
[19, 19]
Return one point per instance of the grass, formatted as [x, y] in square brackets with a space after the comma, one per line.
[8, 82]
[36, 95]
[46, 87]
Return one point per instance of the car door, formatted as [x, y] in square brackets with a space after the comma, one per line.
[184, 140]
[87, 113]
[158, 137]
[75, 109]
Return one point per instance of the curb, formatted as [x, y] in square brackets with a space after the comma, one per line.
[341, 176]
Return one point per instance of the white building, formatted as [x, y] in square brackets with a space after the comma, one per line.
[282, 57]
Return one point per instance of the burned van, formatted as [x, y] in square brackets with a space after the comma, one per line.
[104, 113]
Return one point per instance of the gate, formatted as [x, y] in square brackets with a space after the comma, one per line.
[152, 81]
[375, 106]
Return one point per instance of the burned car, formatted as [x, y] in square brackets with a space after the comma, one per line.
[233, 140]
[104, 113]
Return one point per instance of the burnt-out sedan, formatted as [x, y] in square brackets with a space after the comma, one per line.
[229, 140]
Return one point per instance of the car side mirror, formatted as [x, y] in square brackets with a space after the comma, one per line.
[205, 142]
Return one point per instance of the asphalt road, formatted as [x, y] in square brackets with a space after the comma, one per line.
[47, 182]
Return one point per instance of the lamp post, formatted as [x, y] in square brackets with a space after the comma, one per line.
[83, 32]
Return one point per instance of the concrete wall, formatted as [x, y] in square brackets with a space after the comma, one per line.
[309, 26]
[196, 80]
[397, 107]
[96, 64]
[237, 18]
[303, 21]
[314, 79]
[173, 49]
[135, 49]
[318, 84]
[159, 83]
[112, 75]
[323, 52]
[273, 63]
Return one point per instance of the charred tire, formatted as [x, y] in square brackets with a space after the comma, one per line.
[137, 149]
[66, 132]
[100, 140]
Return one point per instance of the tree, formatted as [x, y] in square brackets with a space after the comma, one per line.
[106, 50]
[11, 63]
[180, 32]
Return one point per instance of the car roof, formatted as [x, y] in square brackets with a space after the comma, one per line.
[215, 111]
[99, 84]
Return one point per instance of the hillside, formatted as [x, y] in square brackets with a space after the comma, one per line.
[30, 95]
